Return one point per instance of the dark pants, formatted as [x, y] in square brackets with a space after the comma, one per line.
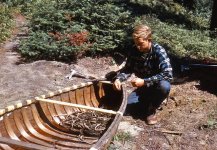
[142, 99]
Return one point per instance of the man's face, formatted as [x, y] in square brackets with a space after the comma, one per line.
[143, 45]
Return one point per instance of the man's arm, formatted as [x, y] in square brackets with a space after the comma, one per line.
[164, 66]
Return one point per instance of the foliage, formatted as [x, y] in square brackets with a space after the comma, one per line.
[106, 24]
[203, 8]
[211, 122]
[122, 137]
[6, 22]
[172, 12]
[70, 28]
[182, 42]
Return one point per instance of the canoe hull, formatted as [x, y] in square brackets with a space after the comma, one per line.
[36, 124]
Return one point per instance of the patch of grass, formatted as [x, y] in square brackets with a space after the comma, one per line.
[123, 137]
[119, 140]
[211, 123]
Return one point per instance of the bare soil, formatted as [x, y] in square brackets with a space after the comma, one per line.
[188, 121]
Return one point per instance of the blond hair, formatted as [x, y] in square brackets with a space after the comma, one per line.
[142, 31]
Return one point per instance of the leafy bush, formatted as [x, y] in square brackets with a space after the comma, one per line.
[55, 25]
[172, 12]
[6, 22]
[107, 26]
[182, 42]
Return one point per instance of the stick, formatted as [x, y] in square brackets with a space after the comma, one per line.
[170, 132]
[76, 105]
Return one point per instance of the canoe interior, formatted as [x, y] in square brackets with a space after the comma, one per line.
[35, 125]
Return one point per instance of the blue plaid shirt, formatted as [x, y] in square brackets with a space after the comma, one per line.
[152, 67]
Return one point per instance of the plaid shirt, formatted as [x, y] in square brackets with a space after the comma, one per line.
[152, 67]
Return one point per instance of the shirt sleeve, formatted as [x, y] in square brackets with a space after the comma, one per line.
[164, 67]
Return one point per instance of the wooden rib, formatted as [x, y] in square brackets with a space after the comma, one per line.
[22, 144]
[59, 109]
[51, 115]
[4, 146]
[52, 124]
[79, 97]
[60, 132]
[11, 132]
[93, 96]
[45, 127]
[100, 90]
[52, 132]
[25, 134]
[9, 129]
[87, 99]
[65, 98]
[72, 98]
[42, 137]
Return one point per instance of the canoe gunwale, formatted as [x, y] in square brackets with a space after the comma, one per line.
[27, 102]
[104, 141]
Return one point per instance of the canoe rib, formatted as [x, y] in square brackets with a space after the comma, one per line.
[36, 124]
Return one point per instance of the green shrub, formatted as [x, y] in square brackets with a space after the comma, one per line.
[174, 13]
[106, 23]
[183, 42]
[182, 32]
[6, 22]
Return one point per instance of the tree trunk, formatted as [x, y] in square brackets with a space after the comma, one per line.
[213, 24]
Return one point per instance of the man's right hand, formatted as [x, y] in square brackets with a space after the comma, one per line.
[117, 85]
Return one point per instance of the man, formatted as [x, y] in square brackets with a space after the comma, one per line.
[151, 65]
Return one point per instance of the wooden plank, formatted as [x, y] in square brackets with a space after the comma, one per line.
[23, 144]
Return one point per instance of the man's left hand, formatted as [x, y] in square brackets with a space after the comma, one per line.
[137, 82]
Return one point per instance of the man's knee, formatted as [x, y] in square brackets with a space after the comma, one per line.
[164, 87]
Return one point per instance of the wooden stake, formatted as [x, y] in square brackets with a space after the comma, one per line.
[76, 105]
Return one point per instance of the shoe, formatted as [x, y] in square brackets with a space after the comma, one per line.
[151, 119]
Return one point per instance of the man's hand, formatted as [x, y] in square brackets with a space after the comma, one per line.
[117, 85]
[137, 82]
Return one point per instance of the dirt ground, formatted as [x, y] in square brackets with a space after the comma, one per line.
[188, 121]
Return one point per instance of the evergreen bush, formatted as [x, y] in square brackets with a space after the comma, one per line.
[107, 26]
[6, 22]
[58, 27]
[182, 42]
[173, 12]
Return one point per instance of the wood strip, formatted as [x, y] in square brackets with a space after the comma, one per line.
[76, 105]
[58, 108]
[49, 126]
[87, 99]
[58, 143]
[93, 96]
[4, 146]
[65, 98]
[22, 144]
[52, 132]
[26, 135]
[9, 128]
[45, 113]
[50, 115]
[79, 98]
[73, 99]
